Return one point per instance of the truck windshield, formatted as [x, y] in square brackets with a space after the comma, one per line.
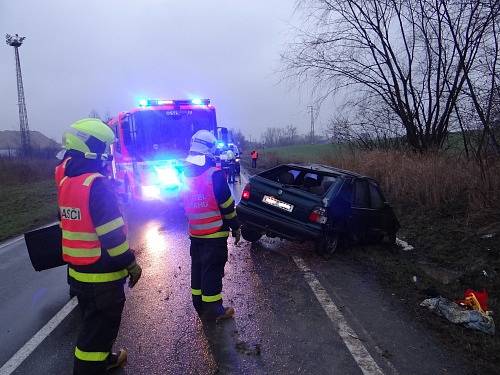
[155, 132]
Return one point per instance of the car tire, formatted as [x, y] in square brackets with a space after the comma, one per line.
[250, 234]
[328, 245]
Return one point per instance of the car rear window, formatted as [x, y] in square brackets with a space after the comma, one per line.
[315, 182]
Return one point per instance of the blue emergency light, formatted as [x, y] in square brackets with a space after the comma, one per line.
[158, 102]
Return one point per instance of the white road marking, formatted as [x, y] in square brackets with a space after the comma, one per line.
[11, 242]
[12, 364]
[358, 351]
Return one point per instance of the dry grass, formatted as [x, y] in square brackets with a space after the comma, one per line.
[439, 181]
[21, 171]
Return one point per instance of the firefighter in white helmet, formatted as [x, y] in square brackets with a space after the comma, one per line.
[94, 244]
[211, 213]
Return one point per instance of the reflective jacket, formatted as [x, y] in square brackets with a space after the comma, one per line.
[80, 244]
[101, 226]
[60, 171]
[202, 209]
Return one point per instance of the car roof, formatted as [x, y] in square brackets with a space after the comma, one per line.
[327, 169]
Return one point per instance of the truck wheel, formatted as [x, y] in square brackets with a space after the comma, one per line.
[250, 234]
[328, 245]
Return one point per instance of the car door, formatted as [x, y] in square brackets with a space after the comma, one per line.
[361, 213]
[371, 215]
[385, 220]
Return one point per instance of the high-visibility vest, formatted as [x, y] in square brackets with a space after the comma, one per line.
[60, 171]
[255, 155]
[80, 243]
[201, 206]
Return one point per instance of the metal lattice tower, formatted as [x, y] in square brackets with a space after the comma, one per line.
[16, 41]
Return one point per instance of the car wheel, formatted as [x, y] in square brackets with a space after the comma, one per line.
[250, 234]
[328, 245]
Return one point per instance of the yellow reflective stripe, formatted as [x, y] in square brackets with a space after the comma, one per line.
[213, 235]
[227, 203]
[196, 292]
[215, 298]
[204, 215]
[213, 224]
[91, 178]
[79, 236]
[118, 250]
[82, 252]
[232, 215]
[62, 180]
[97, 277]
[91, 356]
[110, 226]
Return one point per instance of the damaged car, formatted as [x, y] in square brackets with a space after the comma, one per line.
[327, 205]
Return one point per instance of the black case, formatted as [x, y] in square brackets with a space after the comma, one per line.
[44, 247]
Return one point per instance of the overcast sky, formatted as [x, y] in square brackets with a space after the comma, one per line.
[105, 54]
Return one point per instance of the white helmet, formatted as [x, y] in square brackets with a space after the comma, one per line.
[203, 142]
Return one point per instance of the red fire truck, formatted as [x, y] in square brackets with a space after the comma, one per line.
[151, 142]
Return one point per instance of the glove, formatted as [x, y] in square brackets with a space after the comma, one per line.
[135, 272]
[237, 235]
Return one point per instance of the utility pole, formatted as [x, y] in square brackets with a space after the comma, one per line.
[311, 109]
[16, 41]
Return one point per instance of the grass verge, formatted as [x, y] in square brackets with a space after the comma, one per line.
[26, 206]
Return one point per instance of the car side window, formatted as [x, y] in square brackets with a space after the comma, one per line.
[376, 198]
[361, 197]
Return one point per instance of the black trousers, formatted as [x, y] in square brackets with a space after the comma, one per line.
[208, 258]
[254, 163]
[101, 305]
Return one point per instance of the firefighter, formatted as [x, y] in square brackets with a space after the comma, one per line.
[211, 213]
[230, 163]
[94, 245]
[255, 155]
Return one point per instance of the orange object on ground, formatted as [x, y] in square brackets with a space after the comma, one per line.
[477, 300]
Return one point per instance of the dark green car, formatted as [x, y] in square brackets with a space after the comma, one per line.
[316, 202]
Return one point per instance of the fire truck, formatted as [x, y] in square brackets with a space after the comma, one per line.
[151, 142]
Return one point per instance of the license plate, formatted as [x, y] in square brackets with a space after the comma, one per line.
[277, 203]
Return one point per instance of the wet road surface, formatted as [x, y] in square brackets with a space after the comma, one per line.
[28, 299]
[279, 328]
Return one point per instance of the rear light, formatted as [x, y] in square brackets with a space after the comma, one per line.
[318, 215]
[246, 192]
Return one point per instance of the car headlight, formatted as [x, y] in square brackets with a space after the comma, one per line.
[152, 192]
[168, 176]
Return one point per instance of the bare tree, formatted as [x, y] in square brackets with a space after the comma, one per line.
[405, 52]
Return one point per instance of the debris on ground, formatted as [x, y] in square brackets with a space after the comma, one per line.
[404, 245]
[476, 300]
[457, 314]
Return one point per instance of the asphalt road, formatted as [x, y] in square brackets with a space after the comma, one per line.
[280, 327]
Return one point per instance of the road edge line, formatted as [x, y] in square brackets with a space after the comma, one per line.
[11, 242]
[358, 351]
[20, 356]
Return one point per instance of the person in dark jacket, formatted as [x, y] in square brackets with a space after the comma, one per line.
[94, 245]
[211, 213]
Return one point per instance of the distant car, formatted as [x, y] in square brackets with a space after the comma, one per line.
[318, 203]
